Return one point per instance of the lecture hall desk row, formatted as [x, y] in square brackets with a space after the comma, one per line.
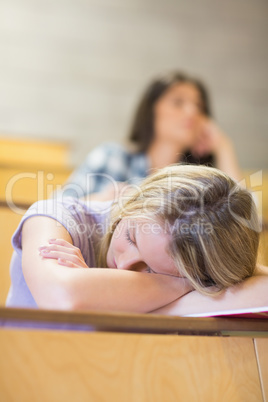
[29, 171]
[132, 358]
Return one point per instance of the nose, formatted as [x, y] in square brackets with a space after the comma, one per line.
[191, 109]
[130, 260]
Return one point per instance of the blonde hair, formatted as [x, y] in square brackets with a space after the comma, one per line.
[213, 224]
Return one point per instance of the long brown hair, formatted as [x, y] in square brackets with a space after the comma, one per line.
[142, 129]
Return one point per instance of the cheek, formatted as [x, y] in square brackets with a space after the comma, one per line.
[112, 251]
[167, 120]
[113, 244]
[117, 241]
[167, 110]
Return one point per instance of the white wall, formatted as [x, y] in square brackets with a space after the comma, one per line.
[73, 70]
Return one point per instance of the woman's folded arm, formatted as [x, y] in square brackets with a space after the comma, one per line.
[252, 292]
[56, 287]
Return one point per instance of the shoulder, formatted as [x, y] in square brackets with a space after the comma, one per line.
[67, 208]
[86, 222]
[67, 211]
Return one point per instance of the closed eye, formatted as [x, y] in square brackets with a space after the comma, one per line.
[127, 236]
[148, 270]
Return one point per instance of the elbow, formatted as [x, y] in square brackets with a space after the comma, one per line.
[56, 301]
[56, 295]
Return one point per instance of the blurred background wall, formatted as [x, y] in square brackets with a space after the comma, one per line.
[73, 70]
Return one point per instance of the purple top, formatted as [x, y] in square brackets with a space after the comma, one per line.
[85, 221]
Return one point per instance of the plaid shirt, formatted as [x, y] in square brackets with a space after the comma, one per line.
[105, 164]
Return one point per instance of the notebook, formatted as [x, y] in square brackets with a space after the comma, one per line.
[256, 312]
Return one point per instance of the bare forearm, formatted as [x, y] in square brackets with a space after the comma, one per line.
[226, 160]
[120, 290]
[55, 286]
[253, 292]
[99, 289]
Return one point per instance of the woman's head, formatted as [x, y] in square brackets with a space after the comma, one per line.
[208, 225]
[169, 108]
[133, 247]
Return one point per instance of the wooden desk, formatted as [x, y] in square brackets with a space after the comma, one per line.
[133, 357]
[139, 323]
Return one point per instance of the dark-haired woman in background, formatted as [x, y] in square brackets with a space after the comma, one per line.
[172, 124]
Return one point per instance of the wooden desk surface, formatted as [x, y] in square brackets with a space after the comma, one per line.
[139, 323]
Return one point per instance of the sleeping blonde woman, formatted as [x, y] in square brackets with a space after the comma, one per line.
[185, 241]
